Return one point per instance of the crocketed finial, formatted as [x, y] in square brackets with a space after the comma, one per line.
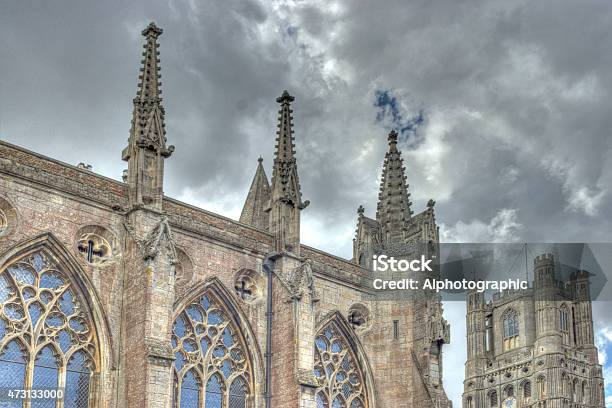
[152, 30]
[392, 137]
[285, 97]
[360, 211]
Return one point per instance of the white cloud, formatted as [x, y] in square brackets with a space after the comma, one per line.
[503, 227]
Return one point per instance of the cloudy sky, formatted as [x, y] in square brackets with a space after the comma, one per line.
[503, 107]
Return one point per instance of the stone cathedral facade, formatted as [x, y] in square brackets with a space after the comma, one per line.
[534, 348]
[124, 297]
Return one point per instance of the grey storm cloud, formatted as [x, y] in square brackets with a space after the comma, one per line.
[513, 103]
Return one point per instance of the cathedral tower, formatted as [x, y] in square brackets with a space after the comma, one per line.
[533, 347]
[415, 320]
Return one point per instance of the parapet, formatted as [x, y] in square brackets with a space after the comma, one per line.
[544, 260]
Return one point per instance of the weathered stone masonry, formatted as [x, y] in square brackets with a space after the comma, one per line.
[149, 267]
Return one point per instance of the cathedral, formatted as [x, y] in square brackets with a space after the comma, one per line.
[115, 295]
[535, 347]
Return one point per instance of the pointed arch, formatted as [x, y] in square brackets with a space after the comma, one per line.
[335, 336]
[510, 324]
[211, 335]
[50, 306]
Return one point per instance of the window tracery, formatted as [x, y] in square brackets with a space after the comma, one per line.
[211, 367]
[8, 217]
[247, 285]
[94, 248]
[341, 383]
[46, 335]
[3, 221]
[359, 316]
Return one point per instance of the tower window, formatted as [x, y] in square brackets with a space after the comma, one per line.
[564, 324]
[489, 333]
[527, 390]
[395, 329]
[362, 260]
[541, 385]
[563, 318]
[434, 363]
[493, 399]
[511, 329]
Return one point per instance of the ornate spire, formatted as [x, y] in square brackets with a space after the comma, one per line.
[258, 199]
[148, 128]
[285, 180]
[286, 197]
[393, 200]
[148, 133]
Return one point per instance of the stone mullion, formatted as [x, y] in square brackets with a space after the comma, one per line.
[61, 383]
[29, 377]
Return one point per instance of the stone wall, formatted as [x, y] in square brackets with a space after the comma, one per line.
[139, 300]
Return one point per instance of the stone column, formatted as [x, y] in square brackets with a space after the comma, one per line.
[146, 356]
[293, 382]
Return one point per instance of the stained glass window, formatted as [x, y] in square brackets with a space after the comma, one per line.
[237, 393]
[77, 381]
[210, 357]
[12, 369]
[190, 391]
[44, 326]
[340, 380]
[45, 375]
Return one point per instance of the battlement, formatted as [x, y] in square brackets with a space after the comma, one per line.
[579, 275]
[544, 260]
[511, 294]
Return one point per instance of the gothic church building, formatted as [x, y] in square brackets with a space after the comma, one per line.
[124, 297]
[535, 347]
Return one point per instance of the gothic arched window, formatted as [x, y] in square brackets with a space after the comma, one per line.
[493, 401]
[564, 323]
[46, 334]
[211, 368]
[575, 391]
[362, 260]
[341, 383]
[541, 387]
[526, 390]
[511, 329]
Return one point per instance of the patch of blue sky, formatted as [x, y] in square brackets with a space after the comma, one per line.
[391, 114]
